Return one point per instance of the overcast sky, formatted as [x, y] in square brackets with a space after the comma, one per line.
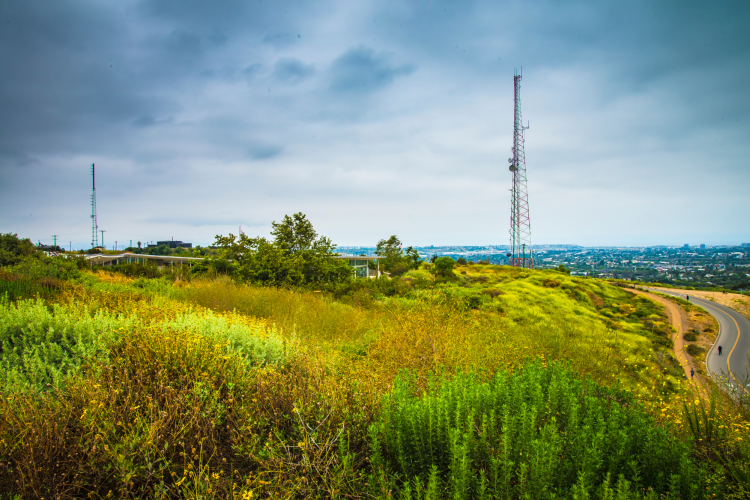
[375, 118]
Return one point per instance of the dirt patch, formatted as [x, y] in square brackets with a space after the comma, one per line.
[598, 302]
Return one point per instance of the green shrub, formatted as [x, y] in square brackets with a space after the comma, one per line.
[41, 266]
[19, 287]
[690, 337]
[694, 350]
[537, 433]
[254, 344]
[40, 345]
[13, 249]
[444, 267]
[137, 270]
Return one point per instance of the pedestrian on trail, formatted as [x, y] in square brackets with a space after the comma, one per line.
[692, 373]
[688, 297]
[719, 350]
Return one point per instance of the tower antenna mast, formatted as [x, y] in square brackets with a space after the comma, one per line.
[521, 254]
[94, 225]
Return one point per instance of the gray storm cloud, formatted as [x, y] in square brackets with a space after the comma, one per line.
[375, 118]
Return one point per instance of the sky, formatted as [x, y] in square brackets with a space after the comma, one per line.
[375, 118]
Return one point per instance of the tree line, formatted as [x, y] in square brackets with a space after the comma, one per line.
[296, 255]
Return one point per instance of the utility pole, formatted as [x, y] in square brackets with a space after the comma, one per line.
[520, 227]
[94, 226]
[103, 231]
[55, 241]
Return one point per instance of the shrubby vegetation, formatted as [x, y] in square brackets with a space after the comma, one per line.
[505, 437]
[296, 256]
[396, 261]
[448, 381]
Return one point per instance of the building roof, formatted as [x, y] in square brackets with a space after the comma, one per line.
[103, 258]
[359, 257]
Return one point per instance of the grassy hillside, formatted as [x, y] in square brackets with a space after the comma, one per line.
[493, 383]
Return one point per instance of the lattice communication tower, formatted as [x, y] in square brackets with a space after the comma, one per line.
[94, 226]
[521, 254]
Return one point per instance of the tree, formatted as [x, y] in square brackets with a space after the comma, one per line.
[461, 261]
[296, 234]
[561, 268]
[14, 249]
[396, 261]
[296, 256]
[444, 267]
[391, 250]
[412, 256]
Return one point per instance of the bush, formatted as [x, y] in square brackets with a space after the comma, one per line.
[41, 267]
[690, 337]
[461, 261]
[536, 433]
[256, 344]
[19, 287]
[695, 350]
[14, 249]
[398, 269]
[137, 270]
[41, 346]
[561, 268]
[444, 267]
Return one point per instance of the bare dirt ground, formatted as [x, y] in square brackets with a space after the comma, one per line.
[733, 300]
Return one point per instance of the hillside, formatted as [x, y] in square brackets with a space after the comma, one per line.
[416, 387]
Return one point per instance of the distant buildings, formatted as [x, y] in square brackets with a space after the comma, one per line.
[132, 258]
[360, 266]
[172, 244]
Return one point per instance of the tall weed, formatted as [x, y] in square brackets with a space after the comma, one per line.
[538, 433]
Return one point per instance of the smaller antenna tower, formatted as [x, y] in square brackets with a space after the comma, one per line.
[94, 226]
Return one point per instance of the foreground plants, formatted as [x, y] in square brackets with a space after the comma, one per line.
[537, 433]
[116, 387]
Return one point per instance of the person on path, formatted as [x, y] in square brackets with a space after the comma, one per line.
[692, 373]
[719, 350]
[688, 297]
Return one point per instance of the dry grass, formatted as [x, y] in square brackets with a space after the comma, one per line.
[175, 411]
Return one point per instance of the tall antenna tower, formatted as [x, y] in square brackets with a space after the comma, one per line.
[94, 226]
[520, 254]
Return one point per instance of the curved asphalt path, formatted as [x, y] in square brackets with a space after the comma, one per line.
[734, 337]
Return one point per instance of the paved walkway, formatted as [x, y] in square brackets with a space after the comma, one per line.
[734, 336]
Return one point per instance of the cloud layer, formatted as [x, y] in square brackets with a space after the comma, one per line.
[375, 118]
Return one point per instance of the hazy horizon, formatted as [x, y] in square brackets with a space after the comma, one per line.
[375, 118]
